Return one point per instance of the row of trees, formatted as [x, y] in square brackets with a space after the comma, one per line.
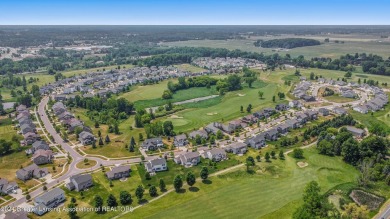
[287, 43]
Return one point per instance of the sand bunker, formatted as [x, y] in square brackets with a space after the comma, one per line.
[302, 164]
[241, 95]
[211, 114]
[175, 117]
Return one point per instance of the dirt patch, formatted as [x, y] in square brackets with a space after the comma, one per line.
[302, 164]
[364, 198]
[241, 95]
[211, 114]
[175, 117]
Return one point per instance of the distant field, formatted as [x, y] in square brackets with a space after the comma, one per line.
[332, 50]
[253, 194]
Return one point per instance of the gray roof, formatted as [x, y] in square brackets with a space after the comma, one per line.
[191, 155]
[157, 161]
[215, 151]
[119, 169]
[81, 179]
[354, 130]
[50, 195]
[237, 145]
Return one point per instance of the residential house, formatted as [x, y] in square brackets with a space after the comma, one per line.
[324, 111]
[361, 109]
[74, 123]
[312, 114]
[7, 187]
[188, 159]
[65, 115]
[281, 107]
[152, 144]
[295, 104]
[213, 127]
[86, 138]
[216, 154]
[271, 135]
[294, 123]
[42, 156]
[339, 111]
[80, 182]
[31, 171]
[359, 133]
[249, 119]
[302, 117]
[156, 165]
[21, 108]
[118, 172]
[47, 200]
[237, 148]
[283, 128]
[256, 142]
[308, 98]
[60, 97]
[37, 146]
[180, 140]
[201, 133]
[25, 128]
[31, 137]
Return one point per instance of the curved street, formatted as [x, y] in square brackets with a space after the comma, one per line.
[76, 157]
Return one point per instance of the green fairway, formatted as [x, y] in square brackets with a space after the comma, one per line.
[146, 92]
[241, 195]
[178, 96]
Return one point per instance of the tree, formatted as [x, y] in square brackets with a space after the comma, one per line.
[190, 179]
[298, 153]
[350, 151]
[313, 206]
[153, 191]
[258, 158]
[312, 76]
[147, 176]
[352, 210]
[178, 183]
[219, 134]
[107, 140]
[162, 185]
[101, 141]
[249, 108]
[140, 137]
[273, 99]
[241, 109]
[96, 124]
[261, 94]
[99, 133]
[267, 157]
[72, 213]
[273, 154]
[167, 94]
[281, 155]
[139, 192]
[348, 74]
[168, 128]
[204, 173]
[98, 200]
[125, 198]
[111, 201]
[249, 162]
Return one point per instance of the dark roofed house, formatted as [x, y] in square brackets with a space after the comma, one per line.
[201, 133]
[237, 148]
[180, 140]
[86, 138]
[28, 127]
[302, 118]
[359, 133]
[256, 142]
[308, 98]
[213, 127]
[283, 128]
[250, 119]
[118, 172]
[281, 107]
[47, 200]
[271, 135]
[38, 145]
[294, 123]
[324, 111]
[295, 104]
[339, 110]
[7, 187]
[152, 144]
[31, 171]
[31, 137]
[312, 114]
[80, 182]
[42, 156]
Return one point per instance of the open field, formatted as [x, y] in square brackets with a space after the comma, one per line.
[239, 190]
[332, 50]
[338, 99]
[146, 92]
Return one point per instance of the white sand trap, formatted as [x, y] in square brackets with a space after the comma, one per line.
[211, 114]
[241, 95]
[175, 117]
[302, 164]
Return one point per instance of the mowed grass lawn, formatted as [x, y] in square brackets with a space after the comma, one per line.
[178, 96]
[146, 92]
[274, 193]
[227, 107]
[339, 99]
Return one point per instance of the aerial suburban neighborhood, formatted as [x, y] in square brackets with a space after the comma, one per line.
[193, 120]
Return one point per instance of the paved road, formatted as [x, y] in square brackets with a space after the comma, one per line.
[76, 157]
[385, 214]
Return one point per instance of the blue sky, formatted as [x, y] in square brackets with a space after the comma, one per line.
[196, 12]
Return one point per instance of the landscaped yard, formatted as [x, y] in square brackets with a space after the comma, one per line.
[338, 99]
[277, 186]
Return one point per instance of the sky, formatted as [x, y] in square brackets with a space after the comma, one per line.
[195, 12]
